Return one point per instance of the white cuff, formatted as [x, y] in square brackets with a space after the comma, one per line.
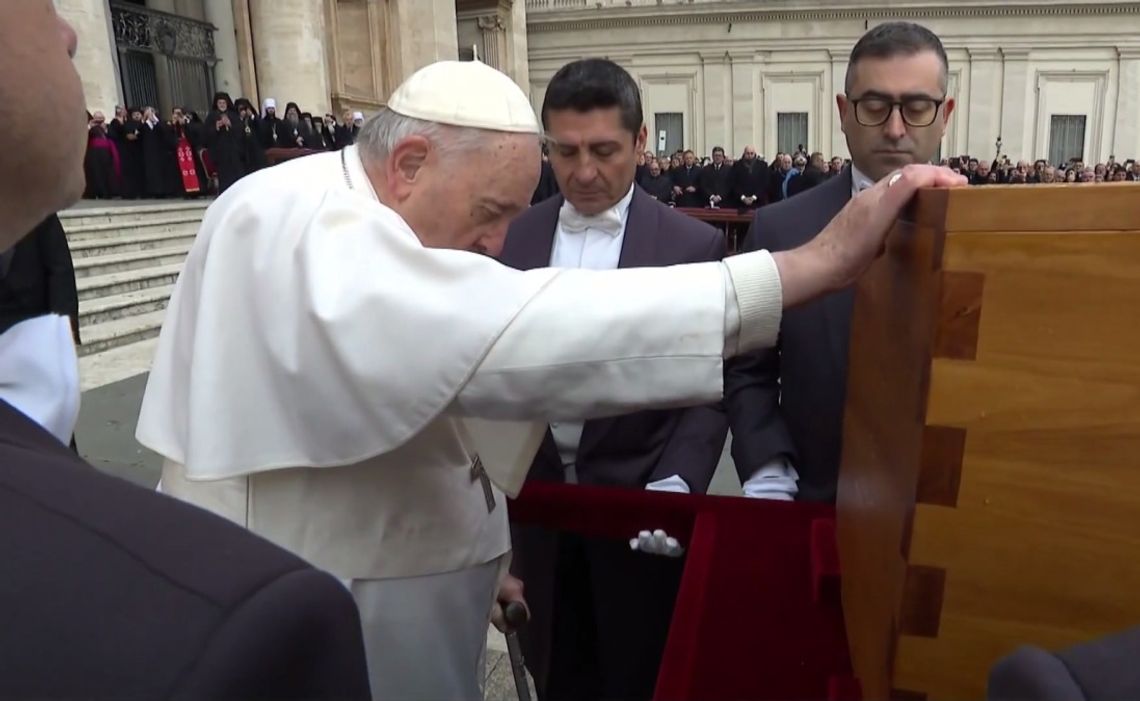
[759, 297]
[670, 484]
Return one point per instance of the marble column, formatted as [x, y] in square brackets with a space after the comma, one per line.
[838, 87]
[289, 48]
[983, 121]
[227, 75]
[95, 57]
[518, 65]
[745, 120]
[493, 34]
[717, 94]
[1126, 141]
[423, 32]
[1017, 137]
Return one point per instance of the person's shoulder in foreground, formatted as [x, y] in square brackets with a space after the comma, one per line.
[118, 592]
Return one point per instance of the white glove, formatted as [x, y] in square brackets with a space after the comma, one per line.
[670, 484]
[656, 543]
[776, 481]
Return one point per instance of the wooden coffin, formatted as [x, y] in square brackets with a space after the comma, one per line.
[990, 485]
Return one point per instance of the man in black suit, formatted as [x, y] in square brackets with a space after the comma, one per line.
[715, 183]
[40, 278]
[113, 591]
[813, 174]
[686, 182]
[601, 612]
[750, 180]
[785, 405]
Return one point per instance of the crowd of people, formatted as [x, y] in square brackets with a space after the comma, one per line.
[139, 155]
[684, 180]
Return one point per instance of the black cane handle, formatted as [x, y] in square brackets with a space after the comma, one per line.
[515, 615]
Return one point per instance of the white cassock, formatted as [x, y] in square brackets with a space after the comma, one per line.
[318, 370]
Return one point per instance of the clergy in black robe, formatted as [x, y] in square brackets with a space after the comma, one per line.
[270, 124]
[715, 181]
[101, 164]
[294, 132]
[685, 179]
[750, 180]
[223, 141]
[252, 152]
[40, 278]
[658, 185]
[160, 164]
[133, 182]
[319, 138]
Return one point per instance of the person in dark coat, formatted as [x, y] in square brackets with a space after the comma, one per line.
[750, 180]
[160, 163]
[715, 182]
[223, 141]
[252, 151]
[101, 165]
[270, 124]
[133, 183]
[112, 591]
[294, 132]
[656, 184]
[600, 612]
[40, 278]
[686, 192]
[814, 174]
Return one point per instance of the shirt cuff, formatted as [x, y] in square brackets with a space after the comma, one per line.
[669, 484]
[759, 299]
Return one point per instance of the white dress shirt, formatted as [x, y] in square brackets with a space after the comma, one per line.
[593, 243]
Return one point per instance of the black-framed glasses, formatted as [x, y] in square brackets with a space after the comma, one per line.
[915, 111]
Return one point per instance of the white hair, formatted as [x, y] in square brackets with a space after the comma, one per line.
[384, 130]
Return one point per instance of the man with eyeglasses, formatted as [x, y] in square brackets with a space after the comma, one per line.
[785, 405]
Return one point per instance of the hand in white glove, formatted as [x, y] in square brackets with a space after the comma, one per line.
[656, 543]
[777, 481]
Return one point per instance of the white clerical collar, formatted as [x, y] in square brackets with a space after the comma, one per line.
[355, 175]
[612, 220]
[859, 181]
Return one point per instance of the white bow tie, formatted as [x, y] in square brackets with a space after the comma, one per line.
[574, 222]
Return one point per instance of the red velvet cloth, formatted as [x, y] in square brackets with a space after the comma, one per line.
[752, 620]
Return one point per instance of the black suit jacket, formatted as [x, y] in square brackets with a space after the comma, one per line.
[635, 449]
[806, 181]
[751, 180]
[684, 178]
[40, 278]
[112, 591]
[716, 181]
[788, 401]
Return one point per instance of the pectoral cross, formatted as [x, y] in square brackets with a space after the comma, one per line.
[478, 473]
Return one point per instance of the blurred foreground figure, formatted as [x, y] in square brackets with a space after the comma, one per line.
[113, 591]
[339, 321]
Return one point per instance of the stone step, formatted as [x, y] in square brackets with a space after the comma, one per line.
[83, 216]
[120, 306]
[121, 332]
[130, 228]
[117, 283]
[132, 260]
[124, 244]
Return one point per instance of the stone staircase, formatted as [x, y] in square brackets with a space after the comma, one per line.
[127, 258]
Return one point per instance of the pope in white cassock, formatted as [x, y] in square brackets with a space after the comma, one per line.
[335, 332]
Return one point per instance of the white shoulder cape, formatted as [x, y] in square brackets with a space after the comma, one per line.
[310, 328]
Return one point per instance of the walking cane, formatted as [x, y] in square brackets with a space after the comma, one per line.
[515, 616]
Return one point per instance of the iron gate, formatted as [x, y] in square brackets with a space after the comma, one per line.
[164, 60]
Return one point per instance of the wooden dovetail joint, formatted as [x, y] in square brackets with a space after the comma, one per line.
[959, 314]
[922, 601]
[940, 470]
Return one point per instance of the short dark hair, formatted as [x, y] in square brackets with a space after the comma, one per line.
[896, 39]
[716, 149]
[595, 83]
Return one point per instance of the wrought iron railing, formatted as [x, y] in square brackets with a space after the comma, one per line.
[140, 29]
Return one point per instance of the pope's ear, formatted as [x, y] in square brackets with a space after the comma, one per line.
[408, 157]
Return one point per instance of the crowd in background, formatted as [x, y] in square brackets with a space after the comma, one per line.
[684, 180]
[139, 155]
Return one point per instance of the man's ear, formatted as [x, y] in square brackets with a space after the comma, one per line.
[640, 141]
[407, 159]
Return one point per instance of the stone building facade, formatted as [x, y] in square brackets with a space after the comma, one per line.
[1053, 78]
[325, 55]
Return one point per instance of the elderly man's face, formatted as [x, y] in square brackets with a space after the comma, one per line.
[690, 159]
[1049, 175]
[470, 206]
[983, 169]
[593, 156]
[654, 168]
[749, 154]
[38, 176]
